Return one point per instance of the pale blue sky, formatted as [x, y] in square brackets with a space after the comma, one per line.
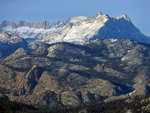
[54, 10]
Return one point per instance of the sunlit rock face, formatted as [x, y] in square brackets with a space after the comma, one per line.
[66, 74]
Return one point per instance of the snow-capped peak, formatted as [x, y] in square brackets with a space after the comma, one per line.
[77, 19]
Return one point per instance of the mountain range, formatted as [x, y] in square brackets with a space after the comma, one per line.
[77, 30]
[81, 61]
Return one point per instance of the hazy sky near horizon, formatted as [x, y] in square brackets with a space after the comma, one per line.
[53, 10]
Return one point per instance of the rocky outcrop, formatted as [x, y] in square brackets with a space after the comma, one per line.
[7, 23]
[64, 74]
[10, 42]
[133, 57]
[44, 24]
[69, 98]
[32, 78]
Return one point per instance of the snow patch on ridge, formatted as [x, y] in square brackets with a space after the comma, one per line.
[33, 33]
[77, 19]
[113, 40]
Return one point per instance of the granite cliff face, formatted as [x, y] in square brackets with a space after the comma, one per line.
[65, 74]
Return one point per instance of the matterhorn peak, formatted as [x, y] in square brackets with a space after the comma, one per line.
[125, 17]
